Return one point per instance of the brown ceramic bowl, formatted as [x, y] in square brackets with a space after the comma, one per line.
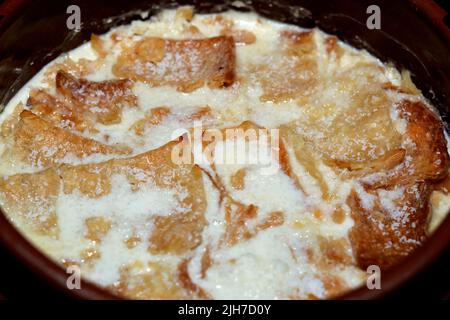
[412, 36]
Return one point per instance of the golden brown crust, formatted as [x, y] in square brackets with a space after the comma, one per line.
[98, 46]
[157, 115]
[343, 127]
[37, 142]
[384, 235]
[236, 216]
[186, 64]
[155, 281]
[290, 73]
[423, 155]
[391, 230]
[388, 161]
[152, 117]
[59, 113]
[305, 156]
[104, 99]
[174, 232]
[427, 147]
[334, 251]
[97, 228]
[32, 197]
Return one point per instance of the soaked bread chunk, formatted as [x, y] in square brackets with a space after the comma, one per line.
[155, 281]
[104, 99]
[352, 123]
[395, 221]
[391, 225]
[174, 232]
[186, 64]
[32, 198]
[38, 143]
[236, 216]
[60, 114]
[289, 73]
[426, 156]
[177, 233]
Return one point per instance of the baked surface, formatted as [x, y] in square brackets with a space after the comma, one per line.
[355, 172]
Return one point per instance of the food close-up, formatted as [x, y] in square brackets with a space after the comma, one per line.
[191, 153]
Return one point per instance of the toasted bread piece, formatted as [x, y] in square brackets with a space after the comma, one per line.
[155, 280]
[236, 216]
[157, 115]
[421, 156]
[91, 180]
[333, 251]
[330, 255]
[59, 113]
[392, 228]
[98, 45]
[426, 157]
[80, 68]
[382, 235]
[177, 233]
[388, 161]
[103, 99]
[38, 143]
[158, 281]
[32, 199]
[291, 72]
[174, 232]
[9, 124]
[332, 46]
[186, 64]
[152, 117]
[353, 122]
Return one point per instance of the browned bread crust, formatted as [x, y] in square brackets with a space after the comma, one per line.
[59, 113]
[186, 64]
[175, 232]
[36, 142]
[384, 234]
[33, 196]
[388, 231]
[103, 100]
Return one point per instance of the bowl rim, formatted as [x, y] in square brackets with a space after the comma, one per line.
[37, 262]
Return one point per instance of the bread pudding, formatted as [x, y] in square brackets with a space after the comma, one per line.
[222, 156]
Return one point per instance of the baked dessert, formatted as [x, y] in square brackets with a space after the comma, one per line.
[215, 156]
